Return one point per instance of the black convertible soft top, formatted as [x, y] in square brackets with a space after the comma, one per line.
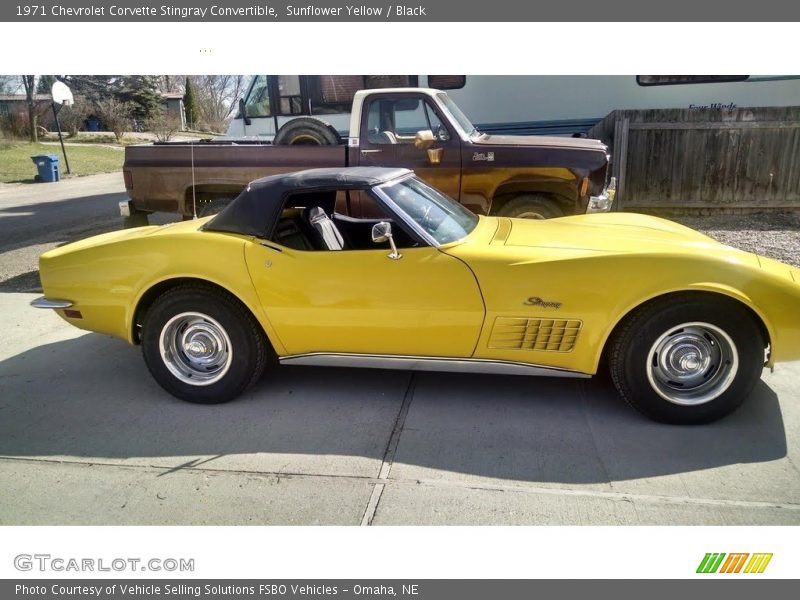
[256, 209]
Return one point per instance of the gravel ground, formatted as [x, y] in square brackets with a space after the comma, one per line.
[775, 235]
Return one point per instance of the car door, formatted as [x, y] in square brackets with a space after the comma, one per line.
[425, 303]
[389, 124]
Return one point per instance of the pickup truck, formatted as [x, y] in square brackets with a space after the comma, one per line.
[417, 128]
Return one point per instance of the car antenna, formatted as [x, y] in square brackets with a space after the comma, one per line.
[194, 196]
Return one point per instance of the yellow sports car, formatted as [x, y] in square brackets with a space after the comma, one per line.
[371, 267]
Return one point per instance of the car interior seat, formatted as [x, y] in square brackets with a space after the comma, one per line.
[325, 228]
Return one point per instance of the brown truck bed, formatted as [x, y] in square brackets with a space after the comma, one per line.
[159, 176]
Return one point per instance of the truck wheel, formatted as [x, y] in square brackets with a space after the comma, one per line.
[306, 131]
[687, 360]
[531, 206]
[201, 345]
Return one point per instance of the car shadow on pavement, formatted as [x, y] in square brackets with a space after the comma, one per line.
[91, 397]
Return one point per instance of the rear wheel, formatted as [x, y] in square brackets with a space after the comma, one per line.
[687, 359]
[531, 206]
[306, 131]
[201, 345]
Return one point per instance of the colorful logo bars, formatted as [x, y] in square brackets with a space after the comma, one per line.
[717, 562]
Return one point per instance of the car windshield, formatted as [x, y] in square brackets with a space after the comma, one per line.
[456, 116]
[437, 215]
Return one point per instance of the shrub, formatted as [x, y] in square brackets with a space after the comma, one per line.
[115, 115]
[164, 125]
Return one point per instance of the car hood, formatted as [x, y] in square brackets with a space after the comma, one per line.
[610, 232]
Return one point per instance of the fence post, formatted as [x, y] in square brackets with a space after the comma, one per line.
[620, 158]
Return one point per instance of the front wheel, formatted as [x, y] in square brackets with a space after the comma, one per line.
[201, 345]
[688, 359]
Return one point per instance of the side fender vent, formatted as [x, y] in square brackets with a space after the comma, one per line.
[544, 335]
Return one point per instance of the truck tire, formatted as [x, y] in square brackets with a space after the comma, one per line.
[306, 131]
[531, 206]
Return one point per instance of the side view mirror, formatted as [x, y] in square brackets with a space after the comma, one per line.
[243, 111]
[424, 139]
[382, 232]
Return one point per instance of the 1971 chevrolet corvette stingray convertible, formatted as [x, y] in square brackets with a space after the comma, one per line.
[371, 267]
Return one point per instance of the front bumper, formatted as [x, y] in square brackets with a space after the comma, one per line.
[43, 302]
[601, 203]
[605, 201]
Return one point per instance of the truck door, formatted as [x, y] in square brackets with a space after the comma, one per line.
[389, 125]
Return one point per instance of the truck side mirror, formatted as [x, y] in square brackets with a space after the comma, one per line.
[243, 111]
[424, 139]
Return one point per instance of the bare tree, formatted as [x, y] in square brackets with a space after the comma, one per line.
[115, 115]
[170, 84]
[9, 84]
[29, 83]
[216, 98]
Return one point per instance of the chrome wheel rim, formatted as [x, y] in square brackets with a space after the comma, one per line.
[692, 363]
[530, 214]
[195, 348]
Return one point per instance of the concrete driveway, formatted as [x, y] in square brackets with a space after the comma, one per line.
[86, 437]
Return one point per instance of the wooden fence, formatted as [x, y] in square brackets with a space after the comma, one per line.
[683, 160]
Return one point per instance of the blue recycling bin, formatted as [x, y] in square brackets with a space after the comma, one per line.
[47, 164]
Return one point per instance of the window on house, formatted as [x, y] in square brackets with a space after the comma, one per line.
[647, 80]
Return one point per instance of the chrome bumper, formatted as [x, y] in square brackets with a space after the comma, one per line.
[601, 203]
[52, 304]
[605, 200]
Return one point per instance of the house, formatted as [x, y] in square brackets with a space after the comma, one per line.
[17, 105]
[173, 104]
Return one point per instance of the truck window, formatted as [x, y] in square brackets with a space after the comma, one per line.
[398, 121]
[258, 100]
[333, 94]
[372, 82]
[447, 82]
[290, 98]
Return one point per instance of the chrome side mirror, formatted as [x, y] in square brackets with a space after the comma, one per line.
[424, 139]
[382, 232]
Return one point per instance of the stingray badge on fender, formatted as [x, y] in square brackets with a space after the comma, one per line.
[536, 301]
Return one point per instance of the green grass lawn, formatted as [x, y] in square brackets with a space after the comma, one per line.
[16, 163]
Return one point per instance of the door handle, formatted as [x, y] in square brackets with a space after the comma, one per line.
[375, 151]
